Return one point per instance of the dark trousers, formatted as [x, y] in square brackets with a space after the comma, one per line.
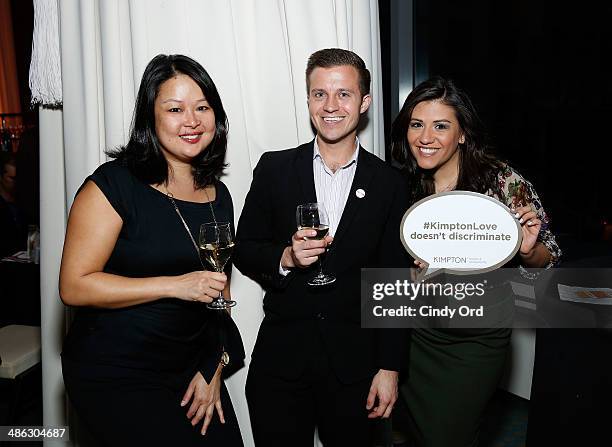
[285, 411]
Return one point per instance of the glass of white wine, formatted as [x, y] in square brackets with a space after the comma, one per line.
[312, 216]
[216, 245]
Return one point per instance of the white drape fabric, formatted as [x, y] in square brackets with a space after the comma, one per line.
[255, 51]
[45, 78]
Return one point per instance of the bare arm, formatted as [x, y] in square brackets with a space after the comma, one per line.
[93, 229]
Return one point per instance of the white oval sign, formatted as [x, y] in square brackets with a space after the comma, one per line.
[461, 232]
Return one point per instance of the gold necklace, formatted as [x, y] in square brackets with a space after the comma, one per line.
[180, 215]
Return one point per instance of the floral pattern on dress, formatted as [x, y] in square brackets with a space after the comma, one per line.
[516, 192]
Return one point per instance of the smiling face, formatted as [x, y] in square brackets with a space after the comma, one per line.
[335, 103]
[184, 122]
[434, 135]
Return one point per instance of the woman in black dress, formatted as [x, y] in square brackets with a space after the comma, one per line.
[438, 140]
[141, 364]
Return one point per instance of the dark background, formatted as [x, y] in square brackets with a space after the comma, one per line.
[22, 13]
[538, 73]
[28, 171]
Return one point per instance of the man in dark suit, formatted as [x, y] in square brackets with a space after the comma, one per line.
[313, 364]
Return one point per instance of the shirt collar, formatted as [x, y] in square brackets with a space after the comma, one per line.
[353, 159]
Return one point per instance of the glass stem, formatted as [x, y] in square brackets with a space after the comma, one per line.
[220, 297]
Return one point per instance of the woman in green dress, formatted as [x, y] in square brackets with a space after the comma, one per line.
[438, 140]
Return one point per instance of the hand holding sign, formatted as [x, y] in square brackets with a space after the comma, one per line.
[530, 225]
[460, 232]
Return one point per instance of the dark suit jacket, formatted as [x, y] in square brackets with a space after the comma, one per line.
[298, 315]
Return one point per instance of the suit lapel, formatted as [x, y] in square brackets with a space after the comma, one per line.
[361, 181]
[303, 165]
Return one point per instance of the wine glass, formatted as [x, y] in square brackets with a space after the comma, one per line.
[312, 216]
[216, 245]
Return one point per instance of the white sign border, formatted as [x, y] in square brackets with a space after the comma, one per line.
[463, 271]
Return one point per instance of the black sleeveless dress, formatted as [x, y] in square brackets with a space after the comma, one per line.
[126, 370]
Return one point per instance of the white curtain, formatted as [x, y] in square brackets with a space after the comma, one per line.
[255, 51]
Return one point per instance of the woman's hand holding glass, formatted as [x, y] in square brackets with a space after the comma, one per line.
[203, 286]
[216, 247]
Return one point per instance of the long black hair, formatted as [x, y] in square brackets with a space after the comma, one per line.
[143, 154]
[478, 168]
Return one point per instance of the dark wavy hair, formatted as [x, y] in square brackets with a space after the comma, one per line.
[143, 154]
[478, 167]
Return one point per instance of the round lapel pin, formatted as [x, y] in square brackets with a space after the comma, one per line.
[360, 193]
